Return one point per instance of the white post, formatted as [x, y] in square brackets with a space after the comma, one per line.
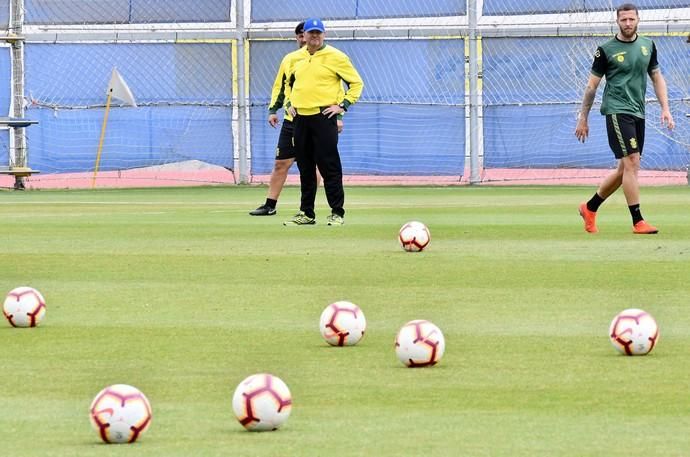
[474, 95]
[17, 138]
[242, 102]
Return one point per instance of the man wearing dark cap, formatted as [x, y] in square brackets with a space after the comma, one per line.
[285, 151]
[316, 81]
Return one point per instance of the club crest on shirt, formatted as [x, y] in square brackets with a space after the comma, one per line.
[645, 51]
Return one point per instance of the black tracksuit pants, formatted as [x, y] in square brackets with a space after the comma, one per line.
[316, 145]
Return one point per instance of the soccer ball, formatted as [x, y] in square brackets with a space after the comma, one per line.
[342, 324]
[419, 344]
[634, 332]
[120, 414]
[414, 236]
[24, 307]
[262, 402]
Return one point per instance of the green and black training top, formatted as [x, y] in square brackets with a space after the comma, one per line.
[625, 65]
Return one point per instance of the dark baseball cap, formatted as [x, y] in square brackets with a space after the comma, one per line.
[300, 28]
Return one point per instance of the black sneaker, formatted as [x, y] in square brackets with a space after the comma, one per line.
[263, 210]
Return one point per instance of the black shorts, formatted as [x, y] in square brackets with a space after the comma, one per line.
[286, 147]
[626, 134]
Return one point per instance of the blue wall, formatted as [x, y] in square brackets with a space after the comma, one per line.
[145, 136]
[78, 74]
[5, 78]
[4, 13]
[164, 76]
[5, 81]
[125, 11]
[410, 119]
[296, 10]
[507, 7]
[518, 133]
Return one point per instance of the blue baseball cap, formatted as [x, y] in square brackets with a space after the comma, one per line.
[314, 23]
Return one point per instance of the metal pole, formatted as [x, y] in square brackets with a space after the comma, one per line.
[17, 149]
[474, 98]
[243, 156]
[17, 109]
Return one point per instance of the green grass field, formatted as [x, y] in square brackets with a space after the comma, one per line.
[182, 294]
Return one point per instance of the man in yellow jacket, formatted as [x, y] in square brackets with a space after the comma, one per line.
[285, 150]
[316, 84]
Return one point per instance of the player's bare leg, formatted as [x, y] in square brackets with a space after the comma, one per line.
[278, 177]
[275, 187]
[588, 210]
[631, 187]
[612, 182]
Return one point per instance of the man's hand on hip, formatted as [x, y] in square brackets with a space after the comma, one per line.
[332, 111]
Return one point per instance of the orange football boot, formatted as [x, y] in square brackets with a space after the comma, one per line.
[643, 228]
[590, 218]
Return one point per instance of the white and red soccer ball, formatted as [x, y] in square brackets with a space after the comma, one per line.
[24, 307]
[342, 324]
[414, 236]
[634, 332]
[120, 414]
[419, 344]
[262, 402]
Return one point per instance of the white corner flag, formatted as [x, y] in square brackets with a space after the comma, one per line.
[119, 89]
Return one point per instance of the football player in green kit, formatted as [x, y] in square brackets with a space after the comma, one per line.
[625, 61]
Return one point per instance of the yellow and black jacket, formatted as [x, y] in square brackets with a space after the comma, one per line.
[280, 94]
[316, 80]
